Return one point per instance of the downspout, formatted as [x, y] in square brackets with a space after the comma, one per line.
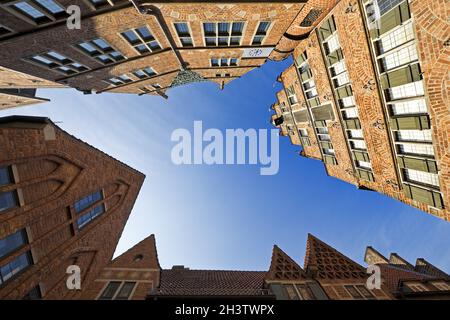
[149, 9]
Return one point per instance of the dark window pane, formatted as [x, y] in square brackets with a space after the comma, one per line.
[224, 28]
[8, 200]
[15, 266]
[5, 175]
[209, 28]
[353, 292]
[125, 291]
[131, 36]
[182, 29]
[262, 28]
[34, 294]
[110, 290]
[85, 202]
[145, 33]
[12, 242]
[90, 215]
[237, 28]
[88, 48]
[142, 48]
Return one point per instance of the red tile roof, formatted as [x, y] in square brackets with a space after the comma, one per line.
[186, 282]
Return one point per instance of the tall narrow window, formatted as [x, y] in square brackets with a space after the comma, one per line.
[9, 245]
[87, 202]
[261, 33]
[184, 34]
[8, 199]
[141, 39]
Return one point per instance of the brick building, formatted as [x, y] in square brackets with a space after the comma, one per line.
[326, 274]
[367, 95]
[62, 202]
[136, 47]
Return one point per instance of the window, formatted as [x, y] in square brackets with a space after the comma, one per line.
[353, 292]
[119, 80]
[409, 107]
[125, 291]
[291, 292]
[309, 84]
[312, 93]
[358, 144]
[261, 33]
[412, 89]
[8, 199]
[355, 133]
[332, 44]
[350, 113]
[414, 135]
[416, 287]
[116, 290]
[341, 79]
[441, 285]
[56, 61]
[156, 86]
[15, 266]
[110, 291]
[292, 97]
[90, 215]
[396, 38]
[141, 39]
[416, 148]
[87, 201]
[184, 34]
[223, 33]
[363, 164]
[39, 11]
[305, 292]
[101, 51]
[322, 130]
[347, 101]
[223, 62]
[33, 294]
[328, 151]
[303, 132]
[13, 242]
[421, 177]
[364, 291]
[399, 57]
[338, 68]
[144, 73]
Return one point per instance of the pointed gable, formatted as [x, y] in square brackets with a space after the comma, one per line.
[372, 256]
[423, 266]
[284, 267]
[325, 262]
[398, 261]
[141, 256]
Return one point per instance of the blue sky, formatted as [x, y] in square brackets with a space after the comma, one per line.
[228, 216]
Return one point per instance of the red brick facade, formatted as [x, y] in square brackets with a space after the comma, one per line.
[51, 170]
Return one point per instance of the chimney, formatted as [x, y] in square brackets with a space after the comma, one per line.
[179, 268]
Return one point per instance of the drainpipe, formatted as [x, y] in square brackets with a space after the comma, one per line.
[149, 9]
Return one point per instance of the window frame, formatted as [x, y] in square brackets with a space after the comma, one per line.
[217, 33]
[57, 64]
[264, 35]
[140, 40]
[99, 51]
[46, 18]
[180, 37]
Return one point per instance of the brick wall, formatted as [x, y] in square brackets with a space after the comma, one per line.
[52, 171]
